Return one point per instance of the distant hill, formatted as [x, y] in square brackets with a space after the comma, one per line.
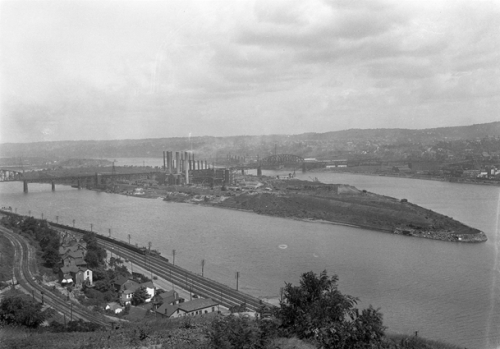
[306, 144]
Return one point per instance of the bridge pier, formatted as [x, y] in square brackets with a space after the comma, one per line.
[25, 186]
[53, 186]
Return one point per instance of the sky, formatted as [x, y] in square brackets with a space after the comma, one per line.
[82, 70]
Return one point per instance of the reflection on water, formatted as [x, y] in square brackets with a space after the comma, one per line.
[443, 290]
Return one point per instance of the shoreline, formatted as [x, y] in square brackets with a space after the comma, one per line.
[444, 236]
[435, 179]
[438, 235]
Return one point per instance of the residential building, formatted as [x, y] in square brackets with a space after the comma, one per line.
[114, 307]
[195, 307]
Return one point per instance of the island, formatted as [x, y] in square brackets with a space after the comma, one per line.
[330, 203]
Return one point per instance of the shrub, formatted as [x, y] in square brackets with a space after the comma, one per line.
[317, 310]
[21, 310]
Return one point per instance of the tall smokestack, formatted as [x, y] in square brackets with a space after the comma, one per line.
[177, 158]
[186, 166]
[169, 161]
[164, 161]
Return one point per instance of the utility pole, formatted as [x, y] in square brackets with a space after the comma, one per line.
[109, 232]
[202, 266]
[237, 279]
[173, 257]
[149, 258]
[172, 280]
[129, 239]
[91, 227]
[73, 223]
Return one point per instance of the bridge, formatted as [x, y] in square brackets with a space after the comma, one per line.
[282, 159]
[275, 161]
[8, 175]
[77, 180]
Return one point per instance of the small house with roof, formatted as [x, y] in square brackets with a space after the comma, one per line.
[195, 307]
[168, 297]
[74, 274]
[150, 289]
[114, 307]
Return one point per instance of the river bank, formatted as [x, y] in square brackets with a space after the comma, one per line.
[334, 204]
[456, 180]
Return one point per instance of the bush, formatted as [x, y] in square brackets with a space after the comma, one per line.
[241, 332]
[317, 310]
[22, 310]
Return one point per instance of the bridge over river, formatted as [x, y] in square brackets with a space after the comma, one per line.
[79, 180]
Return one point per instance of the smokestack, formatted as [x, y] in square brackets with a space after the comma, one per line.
[177, 165]
[169, 162]
[164, 160]
[186, 166]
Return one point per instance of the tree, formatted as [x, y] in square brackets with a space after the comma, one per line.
[92, 259]
[316, 309]
[51, 257]
[139, 296]
[22, 310]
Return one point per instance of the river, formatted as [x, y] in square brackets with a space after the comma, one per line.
[446, 291]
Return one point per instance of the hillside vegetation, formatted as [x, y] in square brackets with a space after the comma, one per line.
[370, 142]
[313, 314]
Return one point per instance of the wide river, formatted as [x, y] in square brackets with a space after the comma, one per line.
[446, 291]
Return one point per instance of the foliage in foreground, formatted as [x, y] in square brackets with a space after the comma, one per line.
[22, 310]
[317, 310]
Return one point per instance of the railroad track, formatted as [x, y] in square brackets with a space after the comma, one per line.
[25, 263]
[186, 279]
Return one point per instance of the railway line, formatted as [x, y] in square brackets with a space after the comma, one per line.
[183, 278]
[186, 279]
[25, 265]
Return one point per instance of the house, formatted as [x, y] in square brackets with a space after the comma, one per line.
[169, 297]
[166, 298]
[195, 307]
[126, 297]
[83, 274]
[150, 289]
[75, 274]
[123, 283]
[114, 307]
[71, 260]
[72, 246]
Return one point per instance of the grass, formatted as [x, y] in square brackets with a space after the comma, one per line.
[182, 333]
[6, 259]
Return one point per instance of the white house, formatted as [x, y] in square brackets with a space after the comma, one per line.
[114, 307]
[126, 297]
[150, 289]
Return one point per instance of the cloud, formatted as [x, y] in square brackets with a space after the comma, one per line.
[208, 65]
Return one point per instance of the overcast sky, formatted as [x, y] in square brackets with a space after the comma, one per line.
[74, 70]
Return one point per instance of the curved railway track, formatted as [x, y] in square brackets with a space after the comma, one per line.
[25, 266]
